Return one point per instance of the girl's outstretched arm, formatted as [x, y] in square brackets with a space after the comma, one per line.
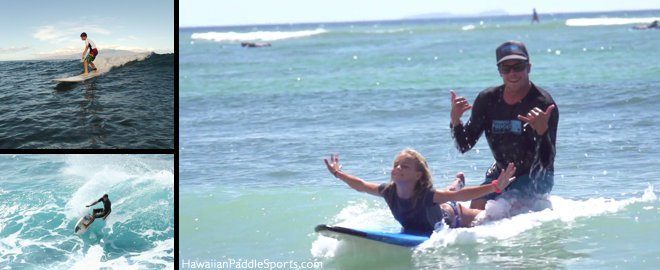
[470, 193]
[352, 181]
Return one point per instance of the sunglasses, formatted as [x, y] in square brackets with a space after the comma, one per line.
[517, 67]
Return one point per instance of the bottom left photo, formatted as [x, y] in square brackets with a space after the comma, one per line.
[87, 211]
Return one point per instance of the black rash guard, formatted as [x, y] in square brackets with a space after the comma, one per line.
[106, 204]
[510, 139]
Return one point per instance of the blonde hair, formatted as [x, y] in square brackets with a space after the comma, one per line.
[426, 181]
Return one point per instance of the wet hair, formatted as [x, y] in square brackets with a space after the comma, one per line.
[426, 181]
[105, 195]
[83, 34]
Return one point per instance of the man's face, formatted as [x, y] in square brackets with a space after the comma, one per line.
[514, 71]
[83, 38]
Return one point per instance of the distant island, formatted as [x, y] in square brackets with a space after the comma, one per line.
[445, 15]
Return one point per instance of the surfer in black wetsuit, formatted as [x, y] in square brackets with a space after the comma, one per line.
[535, 17]
[254, 45]
[520, 121]
[101, 212]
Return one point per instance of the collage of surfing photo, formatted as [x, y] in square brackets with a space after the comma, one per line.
[340, 135]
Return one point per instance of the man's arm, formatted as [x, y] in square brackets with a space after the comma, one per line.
[546, 144]
[85, 51]
[100, 200]
[466, 136]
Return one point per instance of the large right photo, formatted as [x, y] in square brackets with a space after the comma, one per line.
[419, 135]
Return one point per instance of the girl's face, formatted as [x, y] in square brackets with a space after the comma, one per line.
[405, 170]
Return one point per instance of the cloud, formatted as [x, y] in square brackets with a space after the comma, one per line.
[13, 49]
[67, 31]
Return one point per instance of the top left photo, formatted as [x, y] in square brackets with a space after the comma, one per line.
[87, 75]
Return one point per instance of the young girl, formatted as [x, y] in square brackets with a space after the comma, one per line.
[414, 203]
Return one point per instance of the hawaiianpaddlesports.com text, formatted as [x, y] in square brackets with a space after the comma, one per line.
[249, 264]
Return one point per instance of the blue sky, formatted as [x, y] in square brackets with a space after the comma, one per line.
[34, 29]
[232, 12]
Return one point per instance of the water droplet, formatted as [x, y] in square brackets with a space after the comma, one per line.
[549, 50]
[355, 57]
[409, 58]
[584, 49]
[557, 52]
[605, 172]
[298, 79]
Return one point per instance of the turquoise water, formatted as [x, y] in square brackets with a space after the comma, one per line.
[43, 196]
[256, 123]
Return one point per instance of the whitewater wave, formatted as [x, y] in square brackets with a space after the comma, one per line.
[364, 215]
[106, 63]
[253, 36]
[609, 21]
[468, 27]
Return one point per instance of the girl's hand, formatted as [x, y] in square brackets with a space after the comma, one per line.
[506, 177]
[333, 165]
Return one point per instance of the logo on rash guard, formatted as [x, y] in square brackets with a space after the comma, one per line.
[507, 126]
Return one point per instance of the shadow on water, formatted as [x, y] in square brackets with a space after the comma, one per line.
[88, 116]
[90, 123]
[65, 86]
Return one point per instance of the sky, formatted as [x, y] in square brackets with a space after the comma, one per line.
[38, 29]
[232, 12]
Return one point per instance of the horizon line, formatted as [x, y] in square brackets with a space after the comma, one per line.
[411, 18]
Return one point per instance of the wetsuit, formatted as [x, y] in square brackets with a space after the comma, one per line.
[419, 214]
[99, 213]
[512, 140]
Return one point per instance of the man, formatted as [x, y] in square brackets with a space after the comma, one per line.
[535, 17]
[101, 212]
[93, 52]
[520, 121]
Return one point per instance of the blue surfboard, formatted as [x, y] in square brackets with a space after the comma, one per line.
[399, 239]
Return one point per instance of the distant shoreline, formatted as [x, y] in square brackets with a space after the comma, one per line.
[417, 18]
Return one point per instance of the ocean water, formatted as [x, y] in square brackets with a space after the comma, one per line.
[43, 196]
[256, 123]
[131, 106]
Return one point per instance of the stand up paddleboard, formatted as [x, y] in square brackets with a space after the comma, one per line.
[80, 226]
[81, 77]
[398, 239]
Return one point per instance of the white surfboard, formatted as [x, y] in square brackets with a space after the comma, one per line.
[81, 77]
[80, 226]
